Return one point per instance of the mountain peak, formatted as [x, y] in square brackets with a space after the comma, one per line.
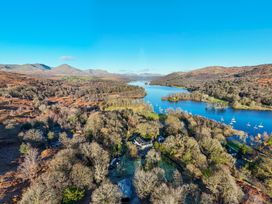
[66, 69]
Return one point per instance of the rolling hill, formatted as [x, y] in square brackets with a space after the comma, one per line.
[248, 87]
[25, 68]
[200, 76]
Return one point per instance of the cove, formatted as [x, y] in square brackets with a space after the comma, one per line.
[246, 120]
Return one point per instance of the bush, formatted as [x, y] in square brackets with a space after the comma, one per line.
[50, 135]
[33, 136]
[71, 142]
[30, 166]
[72, 194]
[24, 148]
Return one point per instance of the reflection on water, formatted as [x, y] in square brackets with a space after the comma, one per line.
[252, 122]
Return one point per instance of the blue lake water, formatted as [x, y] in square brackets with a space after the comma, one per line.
[242, 117]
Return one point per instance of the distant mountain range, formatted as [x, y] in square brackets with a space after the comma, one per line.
[41, 70]
[197, 76]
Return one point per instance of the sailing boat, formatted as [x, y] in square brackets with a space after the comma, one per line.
[261, 125]
[248, 125]
[160, 110]
[233, 120]
[222, 119]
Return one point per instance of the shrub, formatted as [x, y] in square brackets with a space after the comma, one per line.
[72, 194]
[30, 166]
[50, 135]
[33, 136]
[24, 148]
[71, 142]
[10, 124]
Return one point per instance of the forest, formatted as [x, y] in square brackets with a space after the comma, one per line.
[119, 151]
[242, 87]
[88, 89]
[75, 148]
[241, 94]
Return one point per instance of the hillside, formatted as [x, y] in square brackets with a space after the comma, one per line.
[248, 87]
[200, 76]
[197, 76]
[33, 69]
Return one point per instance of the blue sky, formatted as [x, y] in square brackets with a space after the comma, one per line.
[136, 35]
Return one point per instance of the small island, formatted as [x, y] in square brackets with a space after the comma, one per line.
[214, 103]
[199, 97]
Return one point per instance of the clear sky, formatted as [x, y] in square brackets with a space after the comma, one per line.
[136, 35]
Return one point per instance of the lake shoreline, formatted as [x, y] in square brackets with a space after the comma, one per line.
[248, 120]
[235, 107]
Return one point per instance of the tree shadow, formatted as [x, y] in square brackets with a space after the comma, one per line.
[9, 149]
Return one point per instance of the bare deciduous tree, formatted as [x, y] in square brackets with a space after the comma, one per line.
[152, 159]
[98, 157]
[106, 193]
[164, 194]
[81, 176]
[146, 181]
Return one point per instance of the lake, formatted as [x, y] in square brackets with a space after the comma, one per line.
[249, 121]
